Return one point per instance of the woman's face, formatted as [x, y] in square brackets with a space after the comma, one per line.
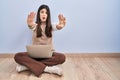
[43, 15]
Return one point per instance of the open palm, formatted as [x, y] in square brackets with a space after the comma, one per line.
[30, 19]
[62, 20]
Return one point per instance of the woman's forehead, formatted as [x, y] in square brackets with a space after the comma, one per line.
[43, 9]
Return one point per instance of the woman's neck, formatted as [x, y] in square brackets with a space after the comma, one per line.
[43, 23]
[43, 26]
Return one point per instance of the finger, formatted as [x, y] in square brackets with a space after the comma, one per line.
[64, 23]
[33, 14]
[29, 17]
[64, 20]
[60, 16]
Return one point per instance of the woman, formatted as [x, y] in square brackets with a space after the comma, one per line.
[42, 35]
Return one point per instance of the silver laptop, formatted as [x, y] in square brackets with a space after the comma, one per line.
[39, 51]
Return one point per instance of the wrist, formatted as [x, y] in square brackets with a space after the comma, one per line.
[32, 25]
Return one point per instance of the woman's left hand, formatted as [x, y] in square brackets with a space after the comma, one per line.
[62, 21]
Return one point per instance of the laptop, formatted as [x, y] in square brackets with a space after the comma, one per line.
[39, 51]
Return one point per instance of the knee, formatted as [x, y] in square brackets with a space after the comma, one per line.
[62, 58]
[18, 56]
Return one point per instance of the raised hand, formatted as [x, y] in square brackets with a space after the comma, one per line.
[30, 19]
[62, 21]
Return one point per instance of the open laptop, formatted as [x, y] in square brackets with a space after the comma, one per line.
[39, 51]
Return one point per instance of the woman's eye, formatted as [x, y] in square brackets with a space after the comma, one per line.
[42, 11]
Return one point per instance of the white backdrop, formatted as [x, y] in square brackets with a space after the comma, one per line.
[92, 25]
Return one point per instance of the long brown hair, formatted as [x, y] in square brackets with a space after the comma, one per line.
[48, 29]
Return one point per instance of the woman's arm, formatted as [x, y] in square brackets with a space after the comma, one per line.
[62, 22]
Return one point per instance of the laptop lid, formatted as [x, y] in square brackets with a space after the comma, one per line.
[39, 51]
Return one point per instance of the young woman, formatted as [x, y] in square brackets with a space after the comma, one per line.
[42, 35]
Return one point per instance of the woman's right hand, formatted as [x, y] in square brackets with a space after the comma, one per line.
[30, 19]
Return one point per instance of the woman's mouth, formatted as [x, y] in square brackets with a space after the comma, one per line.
[43, 17]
